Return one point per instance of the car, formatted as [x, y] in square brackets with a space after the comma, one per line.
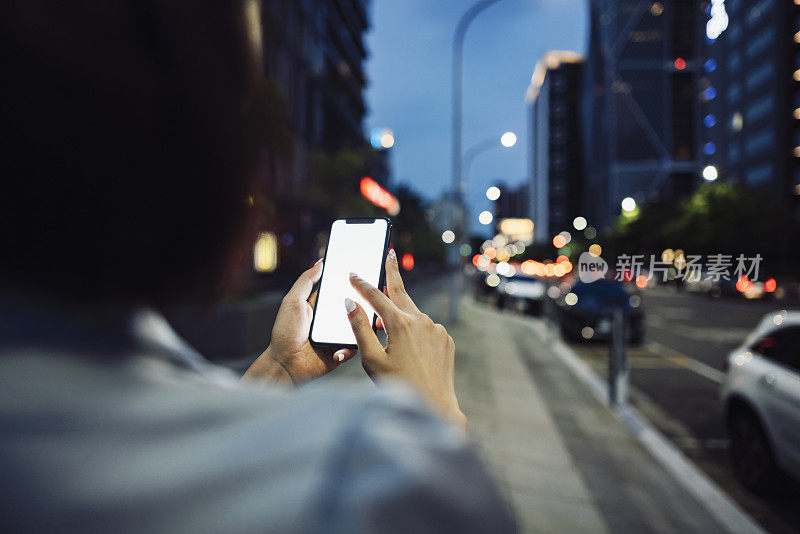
[586, 310]
[761, 402]
[522, 291]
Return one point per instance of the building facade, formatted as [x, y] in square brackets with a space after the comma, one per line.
[750, 93]
[313, 56]
[639, 107]
[556, 170]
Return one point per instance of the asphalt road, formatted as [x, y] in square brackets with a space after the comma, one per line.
[675, 378]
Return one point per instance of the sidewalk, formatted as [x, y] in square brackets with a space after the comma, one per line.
[563, 458]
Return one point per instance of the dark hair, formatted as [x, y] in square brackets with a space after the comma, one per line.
[130, 141]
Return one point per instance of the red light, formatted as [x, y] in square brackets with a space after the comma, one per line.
[375, 193]
[407, 261]
[680, 64]
[770, 285]
[743, 284]
[562, 258]
[475, 259]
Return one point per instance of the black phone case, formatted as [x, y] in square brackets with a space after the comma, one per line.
[381, 279]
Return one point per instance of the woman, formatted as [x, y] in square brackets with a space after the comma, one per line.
[132, 131]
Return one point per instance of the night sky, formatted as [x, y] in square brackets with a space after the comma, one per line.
[409, 72]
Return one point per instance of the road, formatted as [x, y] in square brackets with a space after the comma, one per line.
[675, 378]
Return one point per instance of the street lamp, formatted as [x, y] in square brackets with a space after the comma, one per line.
[493, 193]
[508, 139]
[628, 204]
[710, 173]
[485, 217]
[457, 101]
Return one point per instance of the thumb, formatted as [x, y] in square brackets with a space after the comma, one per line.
[368, 343]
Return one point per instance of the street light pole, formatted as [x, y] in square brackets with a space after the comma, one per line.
[458, 183]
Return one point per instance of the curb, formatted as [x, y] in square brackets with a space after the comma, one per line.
[704, 489]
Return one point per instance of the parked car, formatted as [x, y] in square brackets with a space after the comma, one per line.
[761, 399]
[586, 311]
[522, 291]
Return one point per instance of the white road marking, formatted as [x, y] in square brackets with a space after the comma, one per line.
[679, 358]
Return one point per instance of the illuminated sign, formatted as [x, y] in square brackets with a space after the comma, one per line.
[372, 191]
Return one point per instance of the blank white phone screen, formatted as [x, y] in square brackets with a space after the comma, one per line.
[353, 247]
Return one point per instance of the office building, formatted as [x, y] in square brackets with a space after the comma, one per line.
[750, 93]
[639, 105]
[556, 171]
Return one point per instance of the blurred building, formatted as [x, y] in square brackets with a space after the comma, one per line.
[750, 94]
[556, 169]
[639, 105]
[514, 202]
[313, 52]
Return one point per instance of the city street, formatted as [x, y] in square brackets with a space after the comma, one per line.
[675, 378]
[563, 458]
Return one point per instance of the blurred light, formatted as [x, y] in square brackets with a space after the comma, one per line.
[709, 148]
[797, 37]
[718, 21]
[710, 173]
[520, 247]
[668, 255]
[475, 259]
[743, 284]
[375, 193]
[595, 250]
[737, 122]
[499, 241]
[796, 75]
[797, 151]
[590, 232]
[483, 263]
[641, 281]
[490, 252]
[493, 193]
[407, 261]
[566, 235]
[265, 252]
[710, 93]
[628, 204]
[680, 63]
[796, 113]
[485, 217]
[587, 332]
[579, 223]
[559, 270]
[559, 241]
[680, 259]
[635, 301]
[553, 292]
[710, 65]
[770, 285]
[778, 318]
[566, 251]
[448, 236]
[571, 299]
[567, 266]
[656, 9]
[508, 139]
[548, 269]
[742, 358]
[465, 250]
[492, 280]
[561, 259]
[709, 120]
[503, 267]
[381, 138]
[516, 226]
[503, 255]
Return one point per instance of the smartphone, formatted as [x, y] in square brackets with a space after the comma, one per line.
[354, 245]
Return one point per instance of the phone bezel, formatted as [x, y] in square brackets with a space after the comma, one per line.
[381, 278]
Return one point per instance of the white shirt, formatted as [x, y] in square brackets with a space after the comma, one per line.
[110, 422]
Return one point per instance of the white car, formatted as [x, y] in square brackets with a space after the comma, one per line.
[761, 399]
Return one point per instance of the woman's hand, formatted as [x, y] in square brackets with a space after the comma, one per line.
[290, 356]
[417, 350]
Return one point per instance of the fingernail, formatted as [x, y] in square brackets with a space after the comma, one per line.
[392, 254]
[339, 356]
[354, 275]
[349, 305]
